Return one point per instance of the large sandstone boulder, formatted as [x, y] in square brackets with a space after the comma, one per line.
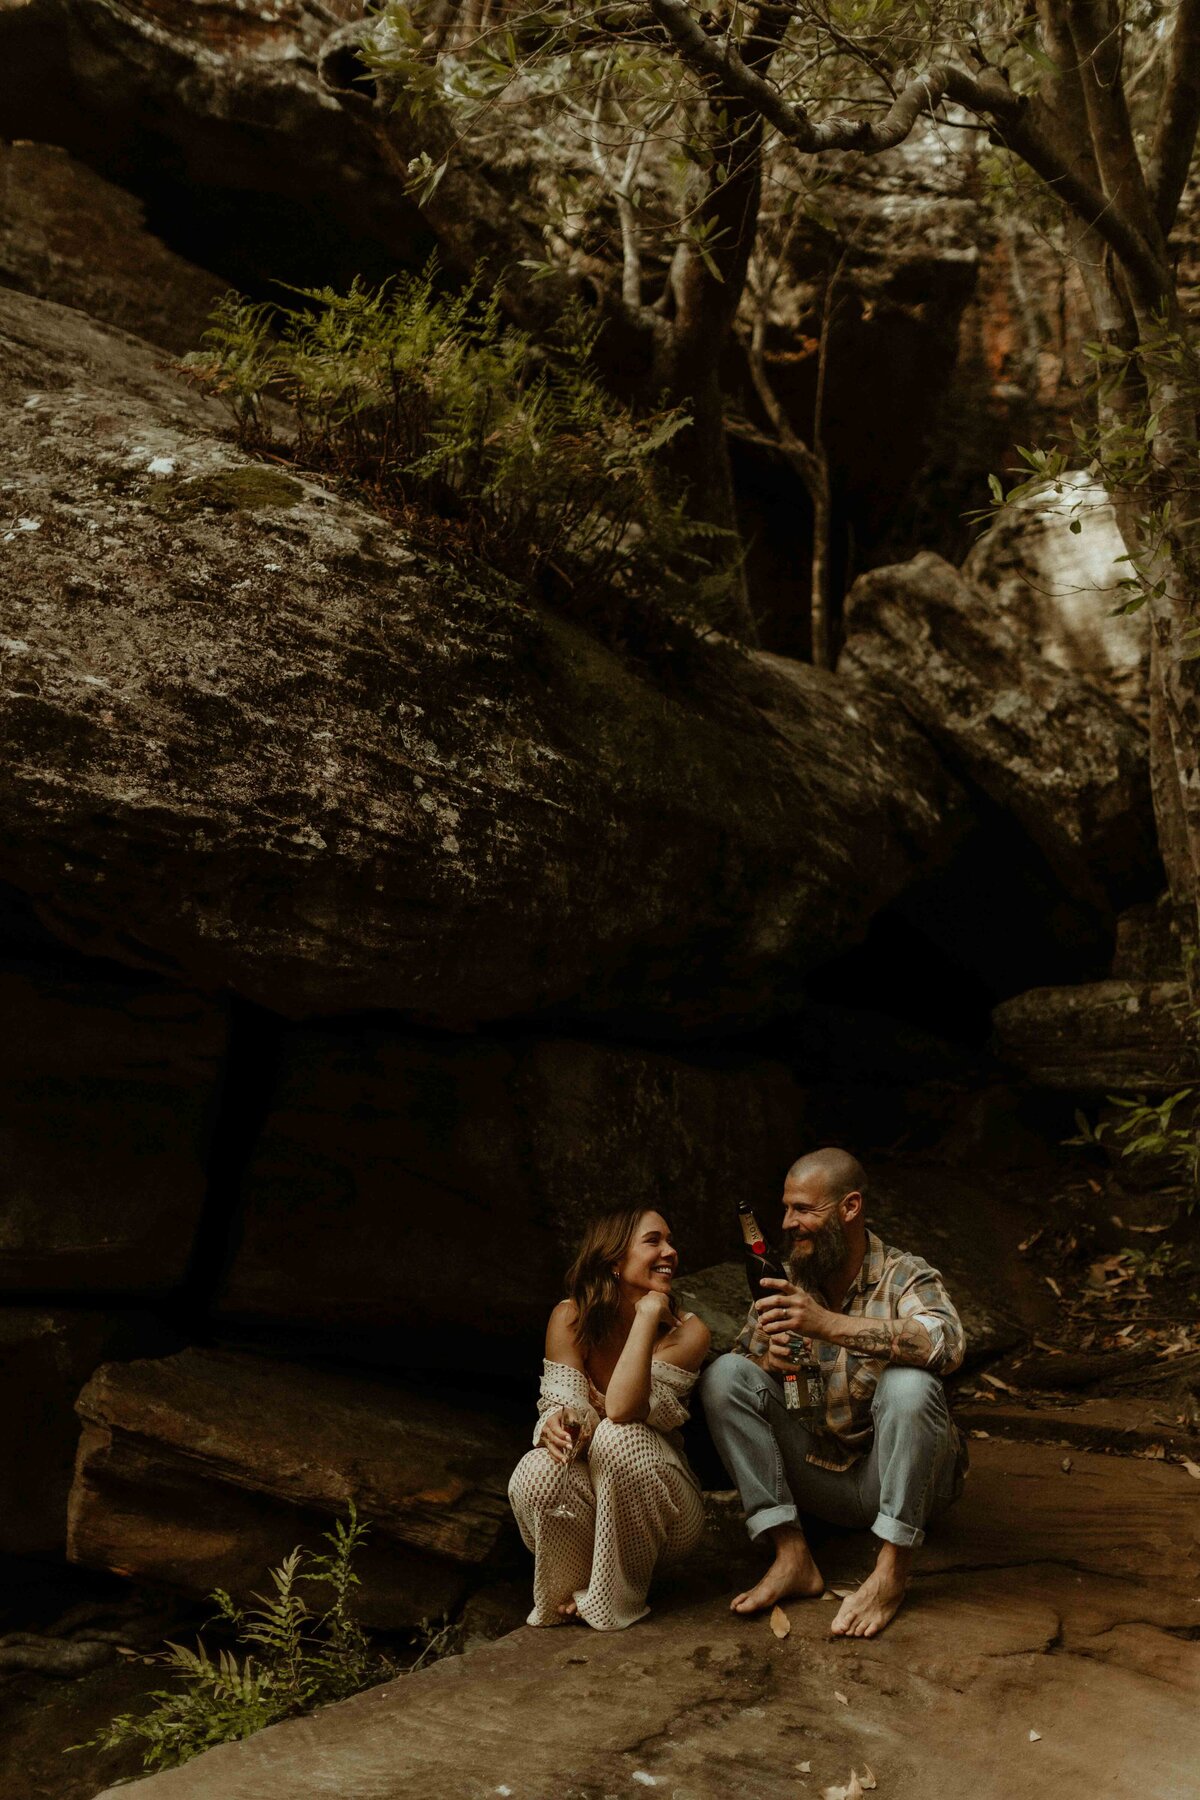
[1053, 751]
[1051, 568]
[1102, 1036]
[68, 235]
[419, 1202]
[250, 732]
[204, 1469]
[1057, 1605]
[110, 1087]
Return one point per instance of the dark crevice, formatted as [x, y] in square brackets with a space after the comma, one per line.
[243, 1102]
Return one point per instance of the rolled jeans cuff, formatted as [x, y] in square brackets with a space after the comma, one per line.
[768, 1516]
[895, 1531]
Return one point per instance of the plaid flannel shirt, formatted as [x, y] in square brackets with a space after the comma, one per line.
[891, 1284]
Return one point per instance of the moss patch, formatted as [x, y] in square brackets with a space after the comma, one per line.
[248, 489]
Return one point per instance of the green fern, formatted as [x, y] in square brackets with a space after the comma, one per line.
[447, 414]
[294, 1658]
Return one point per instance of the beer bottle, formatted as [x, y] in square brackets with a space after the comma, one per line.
[761, 1260]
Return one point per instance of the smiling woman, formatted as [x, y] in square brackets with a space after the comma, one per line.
[606, 1492]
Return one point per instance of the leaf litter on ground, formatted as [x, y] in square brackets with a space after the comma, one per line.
[780, 1623]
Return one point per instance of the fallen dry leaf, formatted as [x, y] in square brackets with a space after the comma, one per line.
[840, 1697]
[780, 1623]
[981, 1434]
[1035, 1737]
[805, 1768]
[851, 1791]
[995, 1381]
[868, 1780]
[1053, 1286]
[1066, 1465]
[1192, 1468]
[844, 1593]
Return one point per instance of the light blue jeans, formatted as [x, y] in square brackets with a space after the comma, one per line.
[909, 1474]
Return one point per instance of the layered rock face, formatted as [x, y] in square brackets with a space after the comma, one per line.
[1102, 1036]
[203, 1469]
[110, 1093]
[399, 1184]
[1134, 1032]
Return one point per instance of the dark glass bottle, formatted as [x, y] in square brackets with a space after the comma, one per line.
[762, 1261]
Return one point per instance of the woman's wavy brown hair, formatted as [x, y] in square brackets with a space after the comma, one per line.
[591, 1283]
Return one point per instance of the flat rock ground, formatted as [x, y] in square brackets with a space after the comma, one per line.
[1057, 1600]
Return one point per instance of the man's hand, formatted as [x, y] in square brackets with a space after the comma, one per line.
[785, 1356]
[791, 1312]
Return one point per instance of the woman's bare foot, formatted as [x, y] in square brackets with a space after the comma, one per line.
[792, 1576]
[866, 1611]
[569, 1612]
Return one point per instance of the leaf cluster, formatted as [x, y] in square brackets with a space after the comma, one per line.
[1148, 1128]
[290, 1657]
[443, 412]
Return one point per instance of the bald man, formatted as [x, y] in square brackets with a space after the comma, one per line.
[876, 1445]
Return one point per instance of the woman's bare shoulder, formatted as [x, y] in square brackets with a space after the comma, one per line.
[688, 1344]
[561, 1342]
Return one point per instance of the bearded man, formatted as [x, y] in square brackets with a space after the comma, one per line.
[880, 1450]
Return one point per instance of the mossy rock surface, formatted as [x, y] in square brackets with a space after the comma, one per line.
[245, 488]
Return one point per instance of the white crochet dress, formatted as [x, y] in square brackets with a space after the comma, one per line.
[634, 1498]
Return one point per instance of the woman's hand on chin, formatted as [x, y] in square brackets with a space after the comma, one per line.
[654, 1305]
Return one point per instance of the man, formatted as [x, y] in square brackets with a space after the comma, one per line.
[882, 1450]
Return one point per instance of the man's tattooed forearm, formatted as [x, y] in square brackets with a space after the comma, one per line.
[895, 1340]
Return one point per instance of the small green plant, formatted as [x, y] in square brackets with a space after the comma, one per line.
[496, 448]
[292, 1659]
[1168, 1128]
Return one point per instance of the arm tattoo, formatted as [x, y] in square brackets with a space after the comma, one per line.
[894, 1340]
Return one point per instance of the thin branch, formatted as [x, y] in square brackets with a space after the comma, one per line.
[1178, 119]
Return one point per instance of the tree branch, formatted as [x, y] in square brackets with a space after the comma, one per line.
[1179, 118]
[987, 94]
[1096, 32]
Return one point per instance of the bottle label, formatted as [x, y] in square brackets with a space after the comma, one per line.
[755, 1240]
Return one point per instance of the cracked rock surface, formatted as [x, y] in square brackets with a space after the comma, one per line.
[1061, 1604]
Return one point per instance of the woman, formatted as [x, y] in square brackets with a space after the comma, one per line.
[620, 1361]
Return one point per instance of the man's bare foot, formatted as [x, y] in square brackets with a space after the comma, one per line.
[792, 1576]
[866, 1611]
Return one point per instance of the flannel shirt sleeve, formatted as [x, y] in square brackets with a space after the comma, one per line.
[750, 1341]
[924, 1298]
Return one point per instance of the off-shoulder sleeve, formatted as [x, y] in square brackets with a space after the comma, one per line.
[563, 1386]
[669, 1389]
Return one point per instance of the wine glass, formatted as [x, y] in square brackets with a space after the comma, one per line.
[572, 1420]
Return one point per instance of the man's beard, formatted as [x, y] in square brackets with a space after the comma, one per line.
[827, 1255]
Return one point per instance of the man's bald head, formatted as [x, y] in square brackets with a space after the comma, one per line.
[839, 1172]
